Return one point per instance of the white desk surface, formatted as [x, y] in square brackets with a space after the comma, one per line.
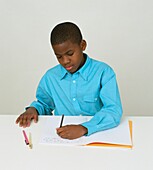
[15, 155]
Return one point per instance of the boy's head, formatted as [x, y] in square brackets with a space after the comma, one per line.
[65, 31]
[68, 45]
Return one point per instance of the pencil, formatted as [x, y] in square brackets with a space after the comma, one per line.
[30, 141]
[62, 121]
[25, 137]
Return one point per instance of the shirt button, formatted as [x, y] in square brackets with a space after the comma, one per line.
[74, 99]
[74, 81]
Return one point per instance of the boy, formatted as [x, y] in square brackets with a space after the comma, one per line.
[77, 86]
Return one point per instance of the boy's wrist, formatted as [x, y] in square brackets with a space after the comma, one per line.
[32, 109]
[85, 130]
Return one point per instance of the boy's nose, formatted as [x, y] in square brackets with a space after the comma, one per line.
[66, 60]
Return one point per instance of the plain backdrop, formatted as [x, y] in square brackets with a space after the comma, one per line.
[118, 32]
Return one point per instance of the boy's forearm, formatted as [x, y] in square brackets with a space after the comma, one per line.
[102, 121]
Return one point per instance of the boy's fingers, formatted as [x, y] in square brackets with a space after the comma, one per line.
[23, 122]
[61, 129]
[58, 130]
[35, 117]
[27, 120]
[17, 120]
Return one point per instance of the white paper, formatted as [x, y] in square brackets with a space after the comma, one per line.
[117, 135]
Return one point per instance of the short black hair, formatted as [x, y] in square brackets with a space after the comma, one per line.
[65, 31]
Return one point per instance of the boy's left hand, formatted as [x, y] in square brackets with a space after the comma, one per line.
[71, 131]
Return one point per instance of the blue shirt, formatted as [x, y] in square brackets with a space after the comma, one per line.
[91, 91]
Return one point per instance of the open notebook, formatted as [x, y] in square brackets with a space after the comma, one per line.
[120, 136]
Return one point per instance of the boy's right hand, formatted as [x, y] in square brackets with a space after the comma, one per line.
[25, 118]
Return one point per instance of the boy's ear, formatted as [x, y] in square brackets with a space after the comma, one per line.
[83, 45]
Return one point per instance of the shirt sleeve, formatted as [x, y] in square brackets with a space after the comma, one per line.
[44, 103]
[110, 114]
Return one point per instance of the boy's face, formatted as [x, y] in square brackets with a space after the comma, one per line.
[70, 55]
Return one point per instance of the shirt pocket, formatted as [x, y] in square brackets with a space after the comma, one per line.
[90, 99]
[91, 104]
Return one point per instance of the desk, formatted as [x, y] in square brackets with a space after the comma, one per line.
[15, 155]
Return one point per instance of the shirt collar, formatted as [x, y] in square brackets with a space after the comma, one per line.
[84, 70]
[63, 72]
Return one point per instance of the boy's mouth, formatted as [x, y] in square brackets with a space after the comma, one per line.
[69, 68]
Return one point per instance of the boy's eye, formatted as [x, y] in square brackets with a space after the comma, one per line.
[70, 53]
[58, 56]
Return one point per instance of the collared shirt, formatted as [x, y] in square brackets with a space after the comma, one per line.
[91, 91]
